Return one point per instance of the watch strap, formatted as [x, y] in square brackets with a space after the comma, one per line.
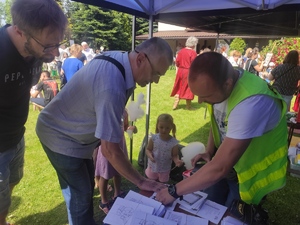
[174, 194]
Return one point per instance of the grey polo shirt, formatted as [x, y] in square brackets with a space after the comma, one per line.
[88, 108]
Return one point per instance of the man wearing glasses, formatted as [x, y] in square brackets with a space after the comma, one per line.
[90, 109]
[33, 38]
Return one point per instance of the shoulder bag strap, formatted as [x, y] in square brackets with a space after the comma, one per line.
[248, 69]
[113, 61]
[120, 67]
[284, 72]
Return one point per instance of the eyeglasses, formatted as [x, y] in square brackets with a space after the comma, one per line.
[50, 48]
[153, 71]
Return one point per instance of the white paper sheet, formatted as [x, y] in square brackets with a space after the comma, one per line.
[193, 200]
[209, 210]
[184, 219]
[122, 211]
[159, 209]
[141, 218]
[212, 211]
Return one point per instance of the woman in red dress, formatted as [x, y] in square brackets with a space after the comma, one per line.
[183, 62]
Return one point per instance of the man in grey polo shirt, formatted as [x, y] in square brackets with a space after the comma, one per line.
[90, 109]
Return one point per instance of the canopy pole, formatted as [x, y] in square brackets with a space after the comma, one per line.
[132, 96]
[148, 86]
[217, 43]
[218, 36]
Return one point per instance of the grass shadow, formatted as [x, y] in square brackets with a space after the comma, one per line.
[15, 203]
[195, 105]
[47, 218]
[199, 135]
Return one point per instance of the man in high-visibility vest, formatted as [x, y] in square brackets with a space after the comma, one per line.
[246, 154]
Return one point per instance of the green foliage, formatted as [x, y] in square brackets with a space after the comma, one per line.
[100, 27]
[280, 48]
[238, 44]
[142, 26]
[5, 16]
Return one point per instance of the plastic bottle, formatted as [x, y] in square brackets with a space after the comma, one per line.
[191, 150]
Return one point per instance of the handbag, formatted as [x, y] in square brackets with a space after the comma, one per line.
[248, 213]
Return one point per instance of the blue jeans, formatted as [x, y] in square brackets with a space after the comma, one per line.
[76, 179]
[11, 172]
[223, 192]
[287, 99]
[39, 101]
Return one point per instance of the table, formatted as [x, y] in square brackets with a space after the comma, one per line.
[292, 127]
[177, 209]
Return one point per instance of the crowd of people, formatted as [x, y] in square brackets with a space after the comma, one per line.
[284, 77]
[89, 113]
[65, 65]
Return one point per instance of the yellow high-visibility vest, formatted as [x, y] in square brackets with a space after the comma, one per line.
[262, 167]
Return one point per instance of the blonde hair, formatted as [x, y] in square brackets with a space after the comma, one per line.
[168, 119]
[75, 49]
[247, 51]
[252, 52]
[235, 53]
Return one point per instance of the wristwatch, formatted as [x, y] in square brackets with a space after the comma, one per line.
[173, 193]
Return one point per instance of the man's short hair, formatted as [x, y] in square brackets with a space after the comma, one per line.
[157, 47]
[35, 15]
[212, 64]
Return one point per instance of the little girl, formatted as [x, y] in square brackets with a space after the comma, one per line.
[104, 171]
[162, 149]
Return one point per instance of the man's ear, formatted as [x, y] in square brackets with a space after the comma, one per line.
[228, 83]
[18, 31]
[139, 59]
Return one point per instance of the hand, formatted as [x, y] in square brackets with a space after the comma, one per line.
[164, 197]
[151, 185]
[206, 156]
[133, 128]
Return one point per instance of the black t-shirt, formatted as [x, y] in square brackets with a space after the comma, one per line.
[50, 89]
[250, 64]
[16, 79]
[82, 57]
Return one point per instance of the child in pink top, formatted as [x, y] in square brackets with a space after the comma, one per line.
[162, 149]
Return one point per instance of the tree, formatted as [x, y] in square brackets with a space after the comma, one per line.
[100, 27]
[2, 18]
[5, 16]
[280, 48]
[238, 44]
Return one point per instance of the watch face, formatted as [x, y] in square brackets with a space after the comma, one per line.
[171, 190]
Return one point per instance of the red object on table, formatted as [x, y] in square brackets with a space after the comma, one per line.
[187, 173]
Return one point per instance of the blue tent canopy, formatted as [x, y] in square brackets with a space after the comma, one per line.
[263, 17]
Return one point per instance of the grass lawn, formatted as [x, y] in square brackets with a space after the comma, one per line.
[37, 200]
